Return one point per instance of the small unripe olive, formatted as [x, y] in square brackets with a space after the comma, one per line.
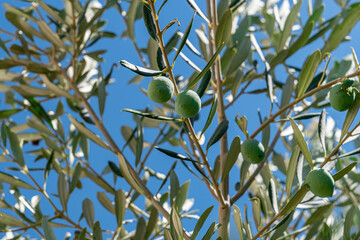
[252, 150]
[160, 89]
[187, 103]
[341, 98]
[320, 182]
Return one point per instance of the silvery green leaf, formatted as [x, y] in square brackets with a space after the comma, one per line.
[308, 72]
[290, 172]
[140, 70]
[337, 176]
[273, 195]
[63, 190]
[140, 228]
[105, 202]
[223, 31]
[97, 232]
[88, 212]
[120, 204]
[48, 232]
[175, 223]
[218, 133]
[231, 157]
[301, 143]
[201, 222]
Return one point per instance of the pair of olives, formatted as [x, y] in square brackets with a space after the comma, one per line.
[342, 95]
[187, 102]
[320, 181]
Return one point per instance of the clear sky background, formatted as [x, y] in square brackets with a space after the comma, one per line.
[121, 95]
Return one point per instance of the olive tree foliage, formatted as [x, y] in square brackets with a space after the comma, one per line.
[47, 71]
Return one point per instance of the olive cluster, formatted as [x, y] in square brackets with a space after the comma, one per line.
[187, 102]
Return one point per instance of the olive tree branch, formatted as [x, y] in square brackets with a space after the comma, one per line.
[187, 121]
[310, 93]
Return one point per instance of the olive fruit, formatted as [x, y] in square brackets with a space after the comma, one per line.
[187, 103]
[160, 89]
[341, 97]
[320, 182]
[252, 150]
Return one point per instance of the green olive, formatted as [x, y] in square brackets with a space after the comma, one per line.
[187, 103]
[320, 182]
[160, 89]
[252, 150]
[341, 98]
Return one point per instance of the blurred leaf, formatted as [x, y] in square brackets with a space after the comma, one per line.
[256, 211]
[302, 39]
[149, 115]
[273, 196]
[152, 223]
[48, 232]
[172, 42]
[295, 200]
[13, 180]
[115, 169]
[302, 116]
[89, 134]
[175, 155]
[120, 206]
[223, 31]
[218, 133]
[140, 141]
[265, 135]
[322, 130]
[88, 212]
[167, 234]
[131, 14]
[167, 176]
[15, 146]
[175, 223]
[98, 181]
[320, 214]
[299, 169]
[75, 177]
[337, 176]
[211, 115]
[105, 202]
[315, 81]
[282, 226]
[140, 70]
[243, 50]
[140, 228]
[149, 21]
[174, 187]
[204, 84]
[290, 172]
[290, 21]
[183, 39]
[63, 190]
[97, 232]
[341, 30]
[301, 143]
[231, 157]
[349, 222]
[7, 113]
[197, 10]
[11, 221]
[206, 68]
[350, 116]
[48, 33]
[182, 194]
[238, 221]
[201, 222]
[308, 72]
[210, 232]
